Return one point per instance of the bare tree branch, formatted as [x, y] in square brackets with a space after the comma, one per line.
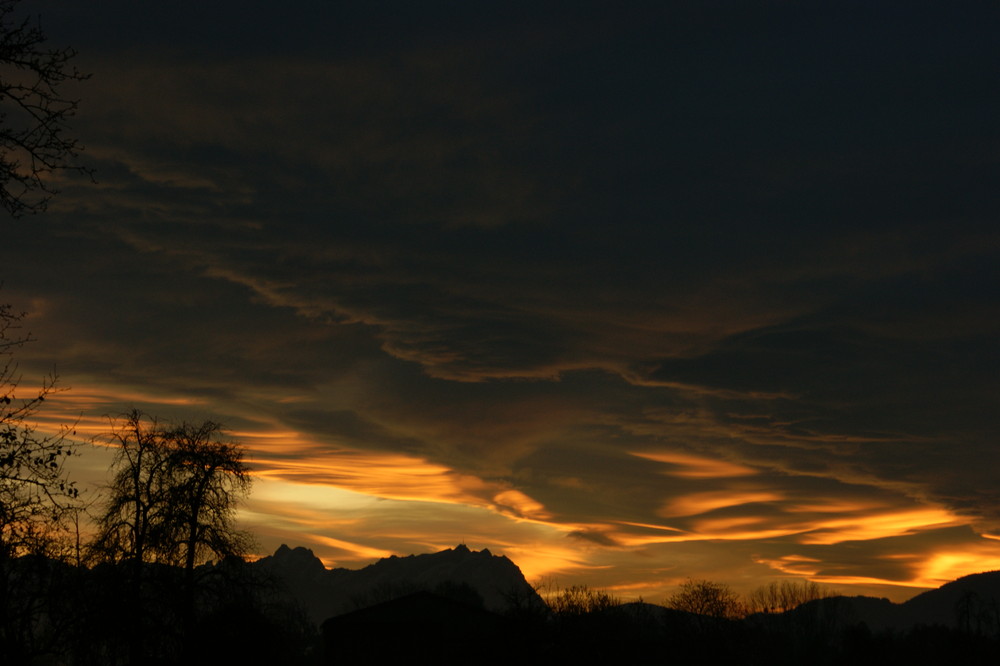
[34, 114]
[35, 493]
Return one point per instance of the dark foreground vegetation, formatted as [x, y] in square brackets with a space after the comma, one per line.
[57, 613]
[61, 613]
[817, 634]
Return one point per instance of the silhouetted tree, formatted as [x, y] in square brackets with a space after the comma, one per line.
[135, 509]
[778, 597]
[525, 604]
[35, 494]
[174, 493]
[977, 615]
[35, 499]
[34, 111]
[580, 600]
[171, 501]
[705, 597]
[211, 477]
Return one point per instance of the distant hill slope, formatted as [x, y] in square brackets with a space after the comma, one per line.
[970, 603]
[458, 572]
[962, 601]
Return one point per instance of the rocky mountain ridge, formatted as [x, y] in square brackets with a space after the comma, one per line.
[475, 577]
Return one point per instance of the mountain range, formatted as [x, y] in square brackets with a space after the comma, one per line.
[477, 578]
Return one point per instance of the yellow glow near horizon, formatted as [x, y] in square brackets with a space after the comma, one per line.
[278, 490]
[931, 570]
[946, 566]
[356, 506]
[538, 560]
[868, 581]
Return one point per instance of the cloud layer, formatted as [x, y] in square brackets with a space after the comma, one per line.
[670, 292]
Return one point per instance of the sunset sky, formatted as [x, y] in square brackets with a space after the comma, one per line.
[629, 292]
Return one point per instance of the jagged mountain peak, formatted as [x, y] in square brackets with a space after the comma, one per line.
[284, 551]
[295, 562]
[494, 579]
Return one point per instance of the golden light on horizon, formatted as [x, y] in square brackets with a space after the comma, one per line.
[947, 565]
[356, 506]
[538, 560]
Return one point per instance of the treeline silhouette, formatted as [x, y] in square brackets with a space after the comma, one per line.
[583, 626]
[58, 613]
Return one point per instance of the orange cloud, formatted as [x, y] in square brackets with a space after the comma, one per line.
[796, 565]
[934, 571]
[860, 581]
[878, 526]
[691, 505]
[357, 550]
[947, 565]
[832, 505]
[651, 539]
[388, 475]
[696, 467]
[651, 526]
[516, 503]
[739, 529]
[544, 558]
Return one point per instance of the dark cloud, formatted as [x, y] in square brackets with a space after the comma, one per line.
[599, 538]
[651, 277]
